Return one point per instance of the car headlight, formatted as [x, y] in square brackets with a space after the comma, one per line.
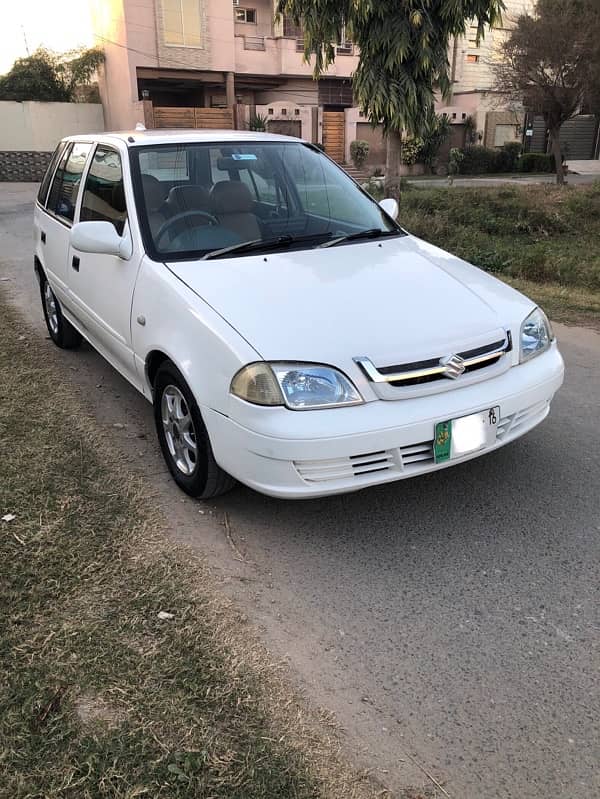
[536, 335]
[299, 386]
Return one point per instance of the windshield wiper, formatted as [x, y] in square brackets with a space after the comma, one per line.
[262, 244]
[370, 233]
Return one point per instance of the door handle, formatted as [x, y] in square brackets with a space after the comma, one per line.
[43, 237]
[75, 263]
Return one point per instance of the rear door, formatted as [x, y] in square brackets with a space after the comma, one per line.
[54, 223]
[101, 286]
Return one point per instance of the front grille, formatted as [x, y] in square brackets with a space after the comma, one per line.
[435, 362]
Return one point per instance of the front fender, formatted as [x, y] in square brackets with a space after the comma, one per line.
[169, 317]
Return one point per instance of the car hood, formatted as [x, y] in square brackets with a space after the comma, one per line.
[395, 301]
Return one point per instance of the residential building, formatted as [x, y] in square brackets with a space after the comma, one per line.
[198, 61]
[475, 96]
[213, 63]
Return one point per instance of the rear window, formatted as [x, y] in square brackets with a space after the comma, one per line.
[45, 184]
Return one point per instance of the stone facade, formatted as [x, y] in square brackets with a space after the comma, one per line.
[23, 166]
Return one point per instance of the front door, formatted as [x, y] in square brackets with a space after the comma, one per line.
[333, 134]
[101, 286]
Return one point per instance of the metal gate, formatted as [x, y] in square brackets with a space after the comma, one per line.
[211, 118]
[333, 134]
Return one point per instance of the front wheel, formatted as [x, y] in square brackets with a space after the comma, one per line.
[62, 332]
[184, 439]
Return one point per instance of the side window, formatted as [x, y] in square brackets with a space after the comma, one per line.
[45, 184]
[65, 189]
[104, 193]
[58, 179]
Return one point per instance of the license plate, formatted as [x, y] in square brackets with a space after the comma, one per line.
[457, 437]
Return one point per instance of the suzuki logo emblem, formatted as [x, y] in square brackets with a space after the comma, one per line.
[454, 366]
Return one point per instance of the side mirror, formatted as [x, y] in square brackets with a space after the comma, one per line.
[390, 206]
[100, 238]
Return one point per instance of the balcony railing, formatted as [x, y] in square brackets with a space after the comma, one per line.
[254, 42]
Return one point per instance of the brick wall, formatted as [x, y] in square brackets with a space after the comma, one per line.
[23, 166]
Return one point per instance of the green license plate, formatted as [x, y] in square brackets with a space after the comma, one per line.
[455, 438]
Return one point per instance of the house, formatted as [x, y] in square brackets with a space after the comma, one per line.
[213, 63]
[474, 96]
[208, 62]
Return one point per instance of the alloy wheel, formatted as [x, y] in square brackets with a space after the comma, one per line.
[51, 309]
[179, 430]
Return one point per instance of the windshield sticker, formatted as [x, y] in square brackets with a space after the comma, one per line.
[244, 157]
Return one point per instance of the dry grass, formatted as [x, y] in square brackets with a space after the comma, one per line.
[98, 695]
[571, 306]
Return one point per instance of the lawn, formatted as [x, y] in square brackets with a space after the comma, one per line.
[543, 239]
[123, 672]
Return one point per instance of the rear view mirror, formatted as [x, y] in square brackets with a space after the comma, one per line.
[100, 238]
[390, 206]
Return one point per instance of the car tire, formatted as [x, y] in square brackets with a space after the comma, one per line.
[184, 439]
[62, 332]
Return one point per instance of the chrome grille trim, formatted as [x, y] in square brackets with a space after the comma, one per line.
[439, 368]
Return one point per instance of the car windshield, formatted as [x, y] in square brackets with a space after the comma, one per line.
[212, 199]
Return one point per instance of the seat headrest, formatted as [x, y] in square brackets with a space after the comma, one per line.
[188, 198]
[231, 197]
[153, 192]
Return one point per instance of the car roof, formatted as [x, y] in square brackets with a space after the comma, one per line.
[133, 138]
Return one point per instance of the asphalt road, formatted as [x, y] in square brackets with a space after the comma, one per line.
[450, 621]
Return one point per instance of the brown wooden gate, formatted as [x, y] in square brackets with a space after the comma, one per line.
[333, 134]
[212, 118]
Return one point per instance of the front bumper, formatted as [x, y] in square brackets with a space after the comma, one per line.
[297, 455]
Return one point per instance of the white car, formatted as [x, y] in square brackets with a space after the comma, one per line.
[288, 332]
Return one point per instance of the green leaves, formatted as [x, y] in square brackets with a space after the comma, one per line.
[49, 76]
[403, 49]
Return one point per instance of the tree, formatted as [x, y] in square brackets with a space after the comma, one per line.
[49, 76]
[403, 59]
[550, 63]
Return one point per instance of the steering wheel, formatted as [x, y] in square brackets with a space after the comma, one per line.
[183, 217]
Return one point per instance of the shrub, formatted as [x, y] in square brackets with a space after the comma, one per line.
[509, 156]
[455, 160]
[411, 151]
[433, 140]
[536, 162]
[359, 150]
[478, 160]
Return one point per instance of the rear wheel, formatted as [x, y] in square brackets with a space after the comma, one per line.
[62, 332]
[184, 439]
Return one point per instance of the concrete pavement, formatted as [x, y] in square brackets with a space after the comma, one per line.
[450, 621]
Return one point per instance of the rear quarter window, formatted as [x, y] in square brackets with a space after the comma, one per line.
[45, 184]
[67, 181]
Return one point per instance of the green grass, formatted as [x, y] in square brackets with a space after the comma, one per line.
[543, 240]
[99, 697]
[542, 234]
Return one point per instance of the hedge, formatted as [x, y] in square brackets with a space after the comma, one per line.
[536, 162]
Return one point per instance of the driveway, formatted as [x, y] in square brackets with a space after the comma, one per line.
[450, 622]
